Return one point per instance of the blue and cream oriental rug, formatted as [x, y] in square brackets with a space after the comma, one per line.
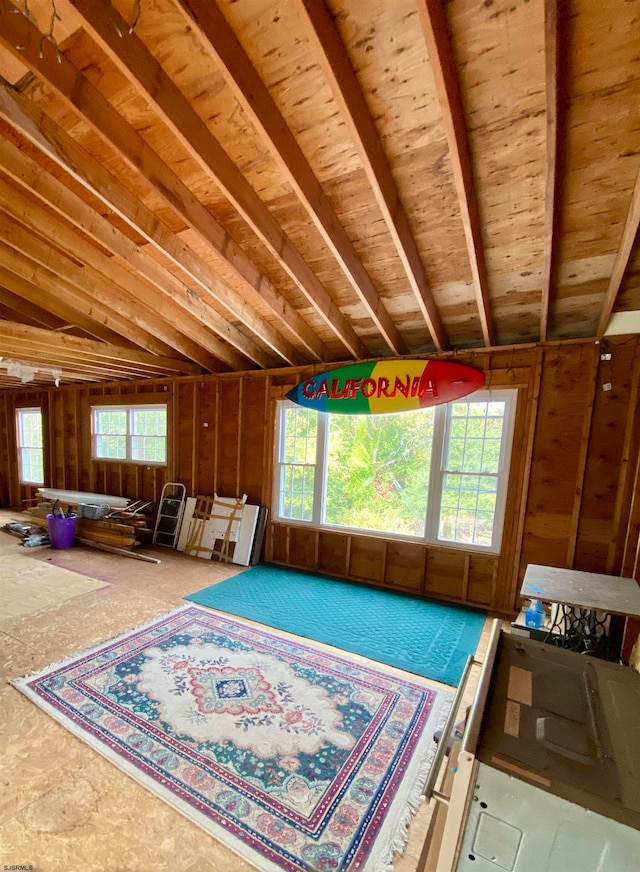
[295, 757]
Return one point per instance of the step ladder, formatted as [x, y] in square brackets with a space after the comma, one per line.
[170, 512]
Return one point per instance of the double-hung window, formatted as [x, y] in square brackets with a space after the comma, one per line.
[438, 475]
[30, 446]
[135, 434]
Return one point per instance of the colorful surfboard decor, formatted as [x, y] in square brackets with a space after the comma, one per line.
[385, 386]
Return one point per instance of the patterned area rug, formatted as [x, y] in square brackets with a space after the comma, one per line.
[430, 638]
[296, 758]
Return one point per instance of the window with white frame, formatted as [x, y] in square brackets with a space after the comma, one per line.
[438, 475]
[135, 434]
[30, 446]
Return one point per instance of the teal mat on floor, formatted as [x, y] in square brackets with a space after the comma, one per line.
[428, 638]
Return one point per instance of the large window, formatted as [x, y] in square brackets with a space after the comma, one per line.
[30, 446]
[438, 474]
[136, 434]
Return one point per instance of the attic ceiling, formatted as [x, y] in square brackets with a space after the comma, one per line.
[192, 186]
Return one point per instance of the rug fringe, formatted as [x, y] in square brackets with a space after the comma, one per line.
[65, 661]
[398, 842]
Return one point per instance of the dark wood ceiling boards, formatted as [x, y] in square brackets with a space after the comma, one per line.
[198, 186]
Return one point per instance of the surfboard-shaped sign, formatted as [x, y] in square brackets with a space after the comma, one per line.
[385, 386]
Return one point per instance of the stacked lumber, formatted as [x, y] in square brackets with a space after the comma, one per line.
[122, 531]
[115, 533]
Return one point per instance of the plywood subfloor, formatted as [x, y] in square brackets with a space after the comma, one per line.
[29, 585]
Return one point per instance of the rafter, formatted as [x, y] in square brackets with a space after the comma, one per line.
[49, 348]
[436, 34]
[7, 381]
[551, 91]
[15, 29]
[29, 121]
[24, 256]
[130, 54]
[111, 230]
[30, 352]
[101, 278]
[18, 305]
[47, 291]
[54, 194]
[132, 299]
[629, 234]
[349, 96]
[259, 105]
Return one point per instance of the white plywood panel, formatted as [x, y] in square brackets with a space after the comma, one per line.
[242, 551]
[69, 496]
[187, 518]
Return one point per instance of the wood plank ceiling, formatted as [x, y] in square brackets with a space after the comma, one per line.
[193, 186]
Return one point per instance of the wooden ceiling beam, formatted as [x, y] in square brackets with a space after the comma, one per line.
[14, 383]
[436, 34]
[105, 280]
[629, 233]
[551, 94]
[47, 354]
[253, 95]
[72, 371]
[42, 287]
[129, 53]
[35, 313]
[33, 355]
[350, 98]
[33, 178]
[55, 69]
[29, 121]
[76, 259]
[78, 348]
[23, 255]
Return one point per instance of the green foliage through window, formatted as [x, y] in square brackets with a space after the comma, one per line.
[471, 472]
[379, 471]
[437, 474]
[298, 450]
[30, 446]
[130, 433]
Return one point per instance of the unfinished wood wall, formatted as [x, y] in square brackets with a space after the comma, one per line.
[573, 496]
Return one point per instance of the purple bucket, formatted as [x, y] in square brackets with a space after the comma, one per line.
[62, 531]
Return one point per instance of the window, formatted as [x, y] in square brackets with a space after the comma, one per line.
[438, 474]
[137, 434]
[30, 446]
[470, 479]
